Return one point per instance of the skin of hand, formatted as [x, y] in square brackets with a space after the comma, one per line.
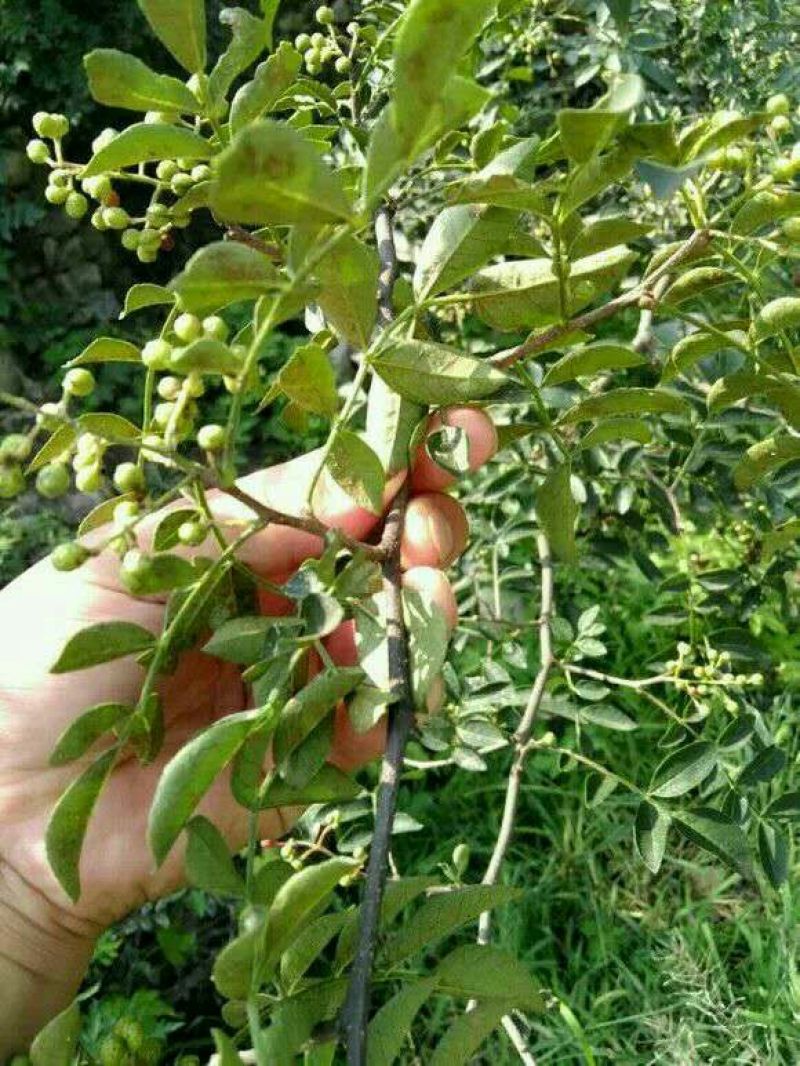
[46, 941]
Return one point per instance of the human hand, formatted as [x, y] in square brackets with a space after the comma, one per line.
[47, 940]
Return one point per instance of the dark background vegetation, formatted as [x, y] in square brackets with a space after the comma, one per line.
[681, 968]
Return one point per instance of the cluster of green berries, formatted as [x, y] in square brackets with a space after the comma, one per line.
[778, 108]
[712, 677]
[785, 167]
[319, 49]
[60, 186]
[14, 450]
[730, 158]
[127, 1045]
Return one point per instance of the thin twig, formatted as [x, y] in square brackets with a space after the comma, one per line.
[243, 236]
[611, 679]
[355, 1013]
[644, 341]
[309, 524]
[522, 747]
[524, 730]
[518, 1040]
[537, 342]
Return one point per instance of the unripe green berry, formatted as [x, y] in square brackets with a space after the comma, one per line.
[146, 255]
[59, 176]
[202, 172]
[52, 481]
[187, 327]
[163, 413]
[12, 482]
[128, 477]
[77, 205]
[211, 438]
[88, 480]
[791, 229]
[195, 386]
[313, 64]
[215, 327]
[461, 856]
[317, 40]
[114, 1052]
[79, 381]
[191, 533]
[116, 217]
[56, 194]
[37, 151]
[181, 183]
[169, 388]
[783, 169]
[167, 169]
[15, 448]
[777, 104]
[97, 219]
[53, 126]
[352, 28]
[130, 239]
[69, 556]
[780, 125]
[324, 15]
[49, 416]
[302, 41]
[99, 187]
[150, 239]
[157, 214]
[39, 123]
[125, 513]
[343, 65]
[156, 353]
[104, 138]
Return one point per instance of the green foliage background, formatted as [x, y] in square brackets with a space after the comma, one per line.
[680, 968]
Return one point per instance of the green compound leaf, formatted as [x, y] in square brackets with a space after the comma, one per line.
[68, 823]
[272, 173]
[556, 511]
[590, 359]
[180, 25]
[356, 469]
[208, 861]
[683, 770]
[625, 402]
[84, 731]
[146, 142]
[434, 374]
[102, 643]
[57, 1043]
[223, 273]
[190, 774]
[117, 79]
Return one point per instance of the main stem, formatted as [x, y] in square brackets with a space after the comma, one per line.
[355, 1013]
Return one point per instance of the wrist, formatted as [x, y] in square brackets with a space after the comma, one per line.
[44, 954]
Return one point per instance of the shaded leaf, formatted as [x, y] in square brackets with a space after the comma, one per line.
[272, 173]
[328, 785]
[650, 835]
[466, 1035]
[625, 402]
[683, 770]
[311, 704]
[584, 133]
[388, 1029]
[556, 511]
[189, 775]
[208, 861]
[716, 833]
[763, 766]
[57, 1043]
[477, 971]
[86, 729]
[434, 374]
[144, 142]
[101, 643]
[180, 25]
[223, 273]
[357, 470]
[773, 851]
[69, 820]
[118, 79]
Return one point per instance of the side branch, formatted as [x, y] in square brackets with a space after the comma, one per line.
[524, 730]
[309, 524]
[355, 1014]
[539, 341]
